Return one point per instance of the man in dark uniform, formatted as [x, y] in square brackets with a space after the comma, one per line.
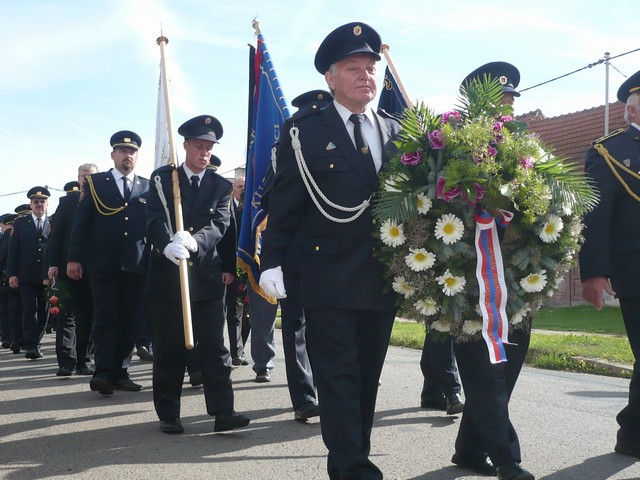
[9, 337]
[487, 442]
[347, 312]
[74, 322]
[15, 301]
[211, 266]
[108, 237]
[610, 257]
[26, 267]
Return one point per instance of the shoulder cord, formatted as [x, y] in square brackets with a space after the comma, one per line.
[163, 200]
[100, 206]
[602, 150]
[312, 187]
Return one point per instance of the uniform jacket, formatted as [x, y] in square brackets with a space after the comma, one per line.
[612, 229]
[207, 217]
[110, 243]
[338, 269]
[27, 250]
[61, 226]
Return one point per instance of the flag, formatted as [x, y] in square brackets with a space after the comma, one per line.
[268, 111]
[162, 128]
[391, 99]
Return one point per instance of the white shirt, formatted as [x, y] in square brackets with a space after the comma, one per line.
[191, 174]
[117, 177]
[370, 131]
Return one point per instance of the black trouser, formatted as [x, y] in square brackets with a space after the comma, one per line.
[15, 317]
[5, 330]
[438, 365]
[66, 339]
[485, 427]
[82, 306]
[116, 298]
[233, 311]
[33, 313]
[171, 357]
[629, 416]
[348, 348]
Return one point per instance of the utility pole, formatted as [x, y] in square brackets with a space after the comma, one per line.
[607, 55]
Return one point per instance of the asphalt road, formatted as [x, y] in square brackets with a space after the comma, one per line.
[57, 428]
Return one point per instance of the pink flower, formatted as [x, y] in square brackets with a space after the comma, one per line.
[506, 118]
[436, 139]
[526, 162]
[479, 195]
[491, 151]
[497, 126]
[454, 116]
[449, 194]
[412, 158]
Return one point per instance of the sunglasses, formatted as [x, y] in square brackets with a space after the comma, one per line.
[38, 200]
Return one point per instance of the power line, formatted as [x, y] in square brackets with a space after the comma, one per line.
[591, 65]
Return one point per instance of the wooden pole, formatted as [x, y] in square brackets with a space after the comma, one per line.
[177, 205]
[387, 57]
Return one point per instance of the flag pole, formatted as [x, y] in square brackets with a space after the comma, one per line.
[385, 51]
[177, 205]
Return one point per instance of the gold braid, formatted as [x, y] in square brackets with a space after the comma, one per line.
[100, 206]
[612, 162]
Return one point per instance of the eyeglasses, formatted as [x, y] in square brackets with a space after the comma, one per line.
[39, 200]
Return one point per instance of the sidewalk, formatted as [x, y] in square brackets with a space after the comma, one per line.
[52, 428]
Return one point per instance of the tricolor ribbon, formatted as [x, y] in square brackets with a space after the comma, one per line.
[492, 288]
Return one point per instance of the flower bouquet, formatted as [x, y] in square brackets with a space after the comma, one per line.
[478, 221]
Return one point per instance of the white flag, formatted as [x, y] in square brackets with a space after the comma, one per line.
[162, 130]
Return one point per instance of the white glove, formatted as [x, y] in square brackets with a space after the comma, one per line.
[175, 252]
[186, 240]
[272, 283]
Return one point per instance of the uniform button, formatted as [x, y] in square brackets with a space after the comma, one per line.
[374, 221]
[191, 229]
[126, 234]
[211, 210]
[126, 204]
[39, 249]
[191, 264]
[331, 165]
[126, 218]
[317, 248]
[38, 260]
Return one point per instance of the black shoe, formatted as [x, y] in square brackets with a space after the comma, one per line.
[305, 411]
[628, 448]
[514, 472]
[15, 348]
[33, 354]
[172, 425]
[127, 385]
[195, 379]
[239, 361]
[64, 372]
[102, 385]
[144, 353]
[454, 404]
[84, 369]
[228, 420]
[438, 403]
[481, 465]
[263, 376]
[6, 345]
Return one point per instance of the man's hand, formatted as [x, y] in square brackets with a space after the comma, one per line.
[272, 283]
[52, 273]
[74, 270]
[592, 290]
[228, 278]
[175, 252]
[186, 240]
[13, 282]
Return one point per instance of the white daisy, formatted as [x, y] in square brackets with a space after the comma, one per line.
[451, 284]
[393, 182]
[403, 287]
[391, 233]
[520, 314]
[427, 307]
[449, 228]
[420, 259]
[471, 326]
[441, 326]
[424, 204]
[534, 282]
[551, 230]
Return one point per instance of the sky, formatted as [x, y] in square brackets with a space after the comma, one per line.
[73, 72]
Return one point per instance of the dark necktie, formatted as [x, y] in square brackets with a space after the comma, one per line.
[361, 144]
[126, 193]
[194, 185]
[39, 226]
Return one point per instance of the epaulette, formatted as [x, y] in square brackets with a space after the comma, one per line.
[306, 111]
[169, 167]
[607, 137]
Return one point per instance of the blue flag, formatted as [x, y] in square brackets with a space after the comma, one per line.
[268, 111]
[391, 99]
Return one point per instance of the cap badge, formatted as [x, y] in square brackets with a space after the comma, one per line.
[357, 30]
[127, 140]
[207, 121]
[503, 80]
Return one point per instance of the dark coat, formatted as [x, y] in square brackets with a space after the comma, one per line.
[207, 218]
[110, 243]
[612, 229]
[338, 269]
[61, 226]
[27, 250]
